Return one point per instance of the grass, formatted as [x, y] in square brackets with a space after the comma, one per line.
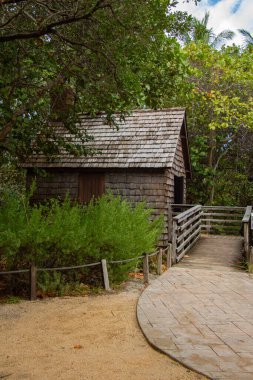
[10, 300]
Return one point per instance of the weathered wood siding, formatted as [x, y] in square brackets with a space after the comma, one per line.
[57, 184]
[156, 186]
[134, 185]
[177, 169]
[139, 185]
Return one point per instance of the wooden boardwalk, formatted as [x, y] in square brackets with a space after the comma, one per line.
[200, 312]
[215, 252]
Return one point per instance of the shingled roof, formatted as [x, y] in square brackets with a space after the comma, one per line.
[146, 139]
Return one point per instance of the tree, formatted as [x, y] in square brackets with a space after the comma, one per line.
[60, 58]
[247, 37]
[220, 121]
[201, 33]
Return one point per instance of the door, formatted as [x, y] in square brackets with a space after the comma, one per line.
[178, 190]
[91, 186]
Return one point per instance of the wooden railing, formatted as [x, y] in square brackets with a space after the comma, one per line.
[178, 208]
[186, 230]
[246, 222]
[222, 220]
[188, 221]
[216, 219]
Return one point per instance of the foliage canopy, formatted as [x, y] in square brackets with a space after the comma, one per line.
[59, 58]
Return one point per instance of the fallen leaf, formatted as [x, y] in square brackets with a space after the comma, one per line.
[78, 346]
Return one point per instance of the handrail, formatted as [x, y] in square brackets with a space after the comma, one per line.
[186, 231]
[232, 208]
[222, 219]
[185, 214]
[246, 217]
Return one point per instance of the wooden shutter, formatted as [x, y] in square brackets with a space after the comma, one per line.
[91, 185]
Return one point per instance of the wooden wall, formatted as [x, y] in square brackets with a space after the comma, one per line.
[178, 169]
[154, 186]
[56, 184]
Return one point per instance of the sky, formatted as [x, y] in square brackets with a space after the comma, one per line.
[224, 14]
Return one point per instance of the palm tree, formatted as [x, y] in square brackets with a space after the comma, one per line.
[201, 33]
[248, 37]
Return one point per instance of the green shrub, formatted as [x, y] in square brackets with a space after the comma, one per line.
[67, 234]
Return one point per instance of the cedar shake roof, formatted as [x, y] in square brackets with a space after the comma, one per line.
[146, 139]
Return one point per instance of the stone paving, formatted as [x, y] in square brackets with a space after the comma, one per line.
[203, 318]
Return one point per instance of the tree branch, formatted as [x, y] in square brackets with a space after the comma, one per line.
[7, 2]
[97, 51]
[50, 28]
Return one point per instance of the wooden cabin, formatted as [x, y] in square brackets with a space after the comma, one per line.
[146, 158]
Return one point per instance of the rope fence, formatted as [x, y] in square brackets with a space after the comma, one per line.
[103, 263]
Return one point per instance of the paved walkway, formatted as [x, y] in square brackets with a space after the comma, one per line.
[202, 315]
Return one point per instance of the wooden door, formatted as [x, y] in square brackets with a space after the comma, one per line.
[91, 186]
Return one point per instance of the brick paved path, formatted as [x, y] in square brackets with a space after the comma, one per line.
[203, 317]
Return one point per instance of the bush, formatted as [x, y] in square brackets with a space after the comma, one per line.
[66, 234]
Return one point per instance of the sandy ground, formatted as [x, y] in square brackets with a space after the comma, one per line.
[81, 338]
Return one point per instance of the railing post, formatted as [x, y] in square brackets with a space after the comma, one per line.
[247, 231]
[33, 282]
[174, 242]
[170, 223]
[250, 263]
[169, 256]
[146, 269]
[246, 239]
[250, 228]
[105, 275]
[159, 261]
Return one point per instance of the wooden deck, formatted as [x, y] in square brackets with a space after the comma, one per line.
[215, 252]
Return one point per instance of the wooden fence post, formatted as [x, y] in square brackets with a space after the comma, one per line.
[105, 275]
[246, 239]
[169, 256]
[33, 282]
[170, 223]
[174, 242]
[251, 260]
[159, 262]
[146, 269]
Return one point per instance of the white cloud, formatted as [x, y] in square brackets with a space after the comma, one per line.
[222, 16]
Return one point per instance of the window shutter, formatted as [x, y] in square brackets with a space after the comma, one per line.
[91, 186]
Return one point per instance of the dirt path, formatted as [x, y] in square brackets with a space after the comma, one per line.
[38, 339]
